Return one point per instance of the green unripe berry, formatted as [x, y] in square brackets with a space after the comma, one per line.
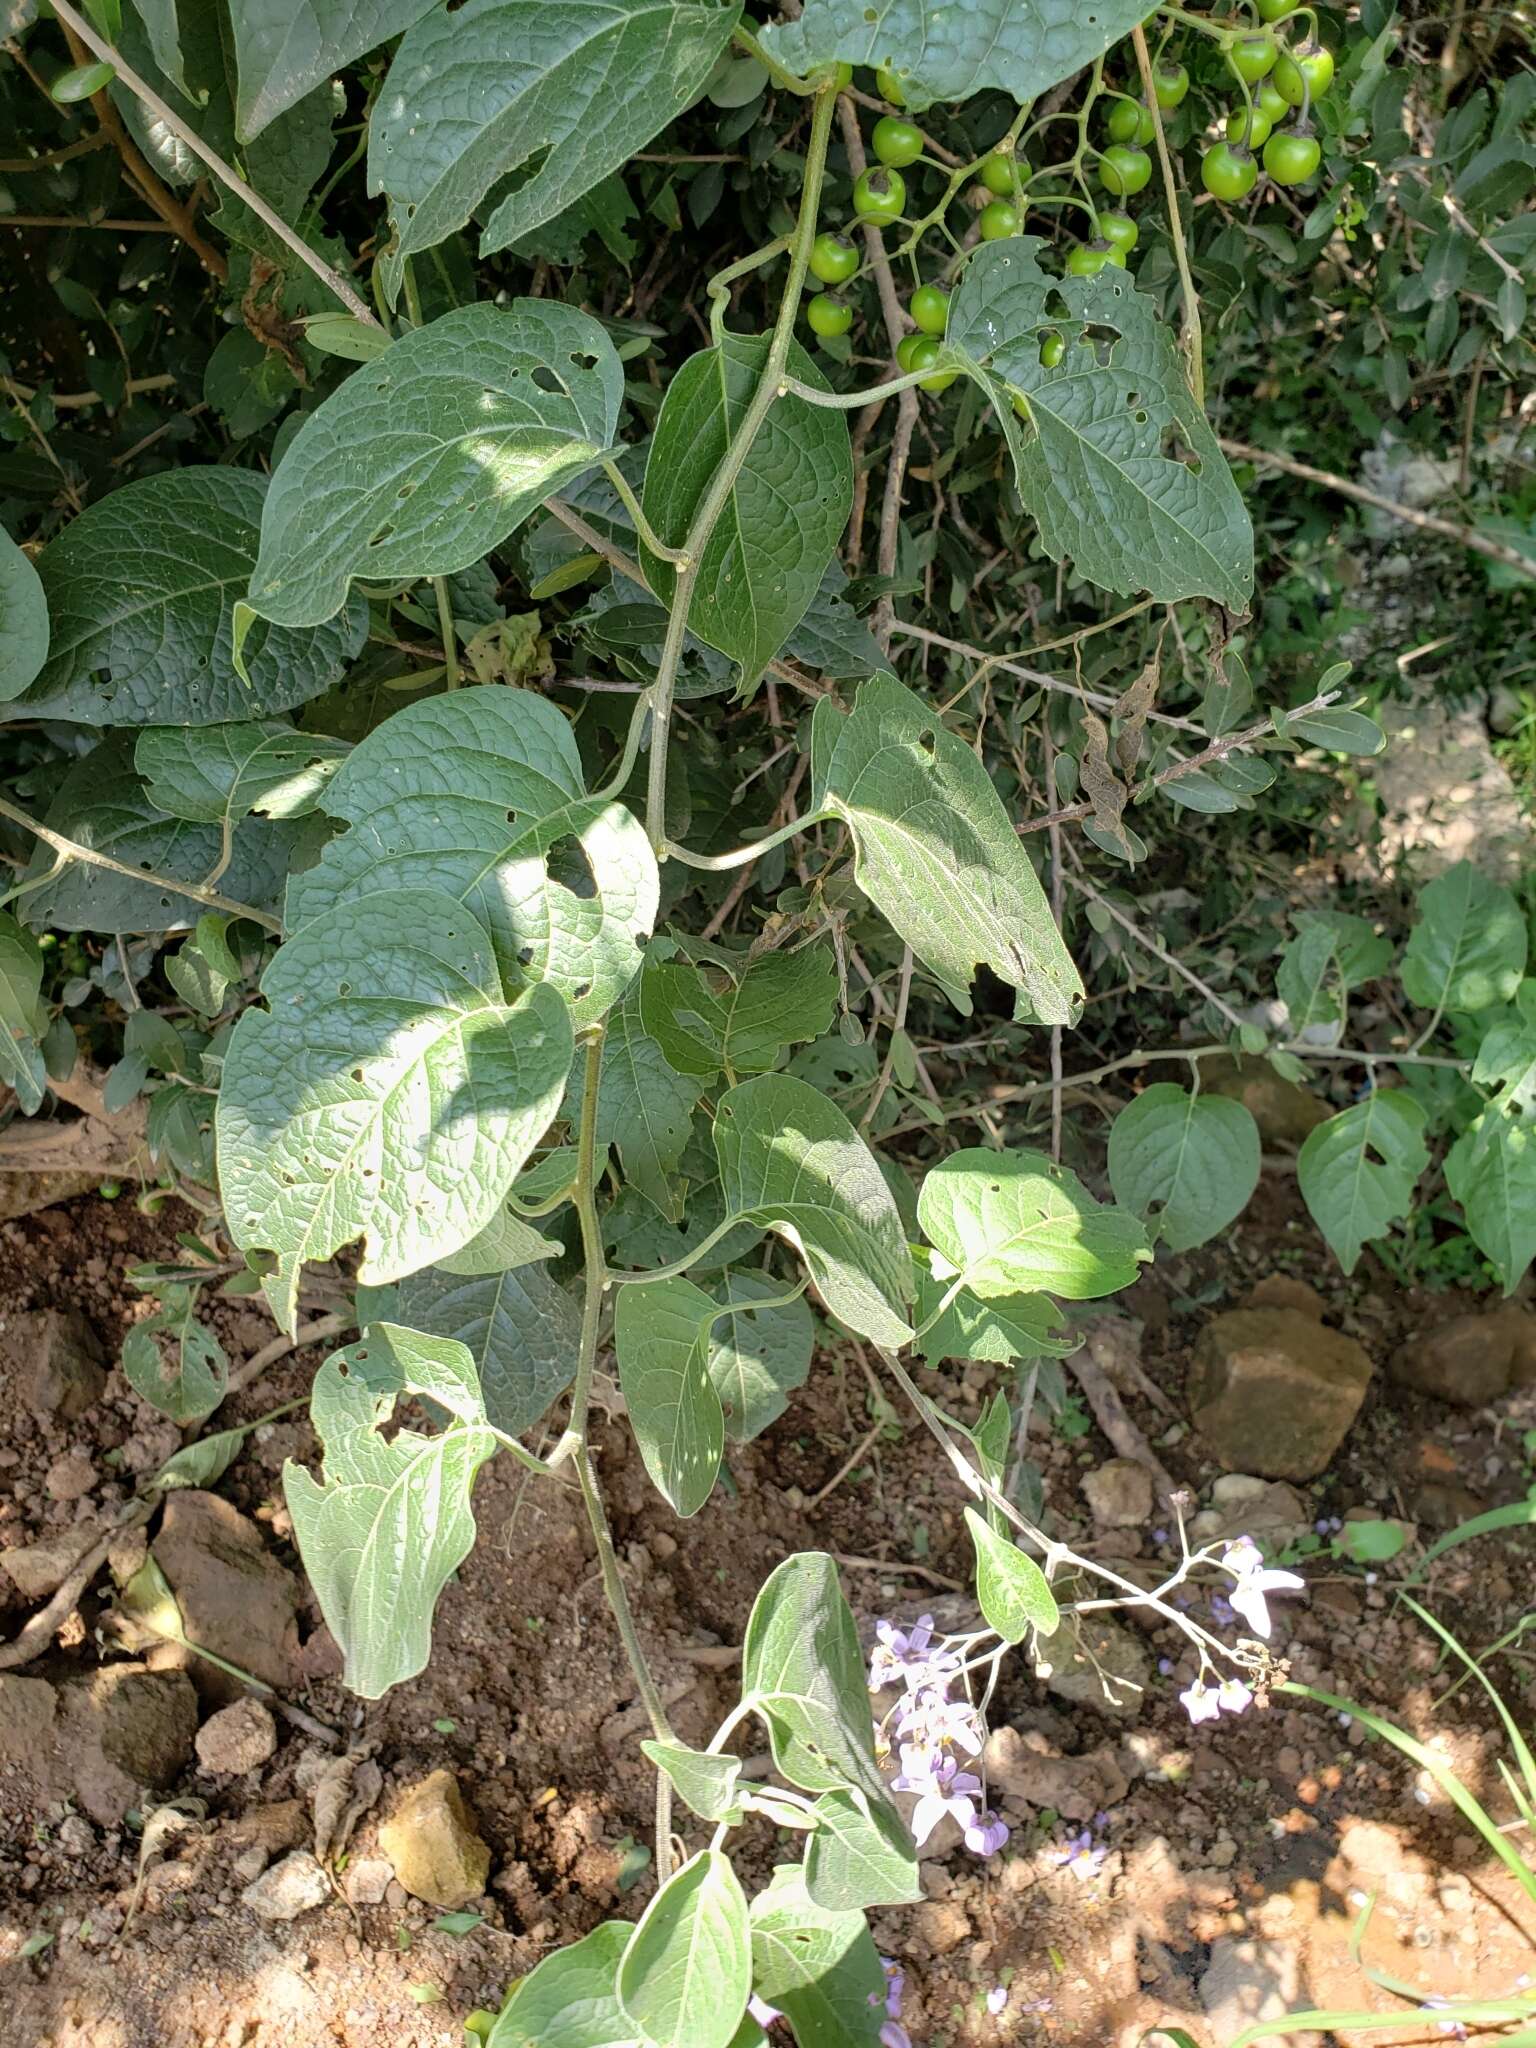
[1292, 156]
[888, 85]
[1252, 57]
[1129, 121]
[998, 220]
[1053, 347]
[110, 1190]
[1276, 10]
[896, 142]
[1305, 73]
[1123, 169]
[929, 307]
[880, 195]
[834, 259]
[1170, 83]
[1248, 130]
[1118, 229]
[1271, 102]
[1089, 258]
[828, 316]
[997, 172]
[1228, 173]
[922, 352]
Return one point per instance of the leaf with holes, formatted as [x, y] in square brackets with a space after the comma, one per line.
[938, 854]
[520, 1326]
[819, 1968]
[784, 516]
[759, 1351]
[791, 1161]
[514, 109]
[803, 1671]
[1357, 1171]
[1467, 951]
[389, 1521]
[142, 589]
[481, 794]
[1011, 1588]
[23, 620]
[185, 1377]
[218, 774]
[1112, 456]
[285, 48]
[1491, 1171]
[102, 804]
[23, 1016]
[661, 1337]
[735, 1014]
[387, 1093]
[429, 455]
[1187, 1163]
[1017, 47]
[1330, 956]
[1015, 1222]
[685, 1977]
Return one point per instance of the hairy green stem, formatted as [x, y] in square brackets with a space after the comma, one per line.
[595, 1267]
[71, 849]
[724, 479]
[1194, 342]
[781, 75]
[678, 1266]
[719, 863]
[872, 394]
[649, 537]
[575, 1446]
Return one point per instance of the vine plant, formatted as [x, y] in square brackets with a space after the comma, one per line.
[483, 1045]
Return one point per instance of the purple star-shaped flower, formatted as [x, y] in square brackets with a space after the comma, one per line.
[942, 1787]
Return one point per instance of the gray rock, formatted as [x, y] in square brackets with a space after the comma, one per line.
[53, 1360]
[237, 1739]
[298, 1884]
[41, 1568]
[70, 1477]
[125, 1730]
[236, 1598]
[1469, 1360]
[1250, 1980]
[1097, 1662]
[1022, 1765]
[1273, 1392]
[102, 1742]
[1119, 1494]
[366, 1881]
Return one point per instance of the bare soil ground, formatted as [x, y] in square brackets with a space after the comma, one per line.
[1273, 1829]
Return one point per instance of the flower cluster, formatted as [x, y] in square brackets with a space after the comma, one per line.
[1204, 1702]
[1208, 1698]
[931, 1730]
